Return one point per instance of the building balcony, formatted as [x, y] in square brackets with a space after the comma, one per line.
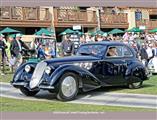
[150, 24]
[88, 18]
[25, 17]
[114, 20]
[41, 17]
[70, 17]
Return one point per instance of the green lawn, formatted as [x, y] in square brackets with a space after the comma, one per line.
[6, 78]
[14, 105]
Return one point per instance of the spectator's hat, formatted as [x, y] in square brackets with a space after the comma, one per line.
[143, 44]
[150, 45]
[68, 36]
[99, 34]
[105, 35]
[11, 36]
[18, 35]
[1, 35]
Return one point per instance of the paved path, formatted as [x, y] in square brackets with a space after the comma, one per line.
[94, 97]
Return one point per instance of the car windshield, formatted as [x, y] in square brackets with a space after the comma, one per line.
[94, 50]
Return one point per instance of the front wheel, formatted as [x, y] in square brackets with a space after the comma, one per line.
[67, 87]
[27, 92]
[135, 85]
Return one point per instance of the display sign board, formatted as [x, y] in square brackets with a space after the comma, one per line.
[76, 27]
[142, 27]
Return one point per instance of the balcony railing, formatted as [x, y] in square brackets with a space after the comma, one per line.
[89, 17]
[23, 13]
[64, 15]
[150, 24]
[114, 18]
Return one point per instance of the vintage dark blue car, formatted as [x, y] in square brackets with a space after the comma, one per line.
[95, 65]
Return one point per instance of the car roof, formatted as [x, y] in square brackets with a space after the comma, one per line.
[110, 43]
[105, 43]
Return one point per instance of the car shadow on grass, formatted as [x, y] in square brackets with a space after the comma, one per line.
[45, 95]
[103, 90]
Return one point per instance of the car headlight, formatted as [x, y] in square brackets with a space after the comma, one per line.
[48, 70]
[27, 68]
[86, 65]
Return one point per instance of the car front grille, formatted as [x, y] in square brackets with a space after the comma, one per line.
[37, 74]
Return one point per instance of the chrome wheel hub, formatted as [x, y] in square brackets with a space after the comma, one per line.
[136, 84]
[68, 86]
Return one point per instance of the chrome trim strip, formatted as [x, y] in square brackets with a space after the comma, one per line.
[46, 87]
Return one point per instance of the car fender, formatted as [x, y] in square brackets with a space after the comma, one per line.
[135, 72]
[18, 73]
[152, 65]
[81, 72]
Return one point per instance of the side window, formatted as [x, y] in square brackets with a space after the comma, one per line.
[127, 52]
[118, 51]
[114, 51]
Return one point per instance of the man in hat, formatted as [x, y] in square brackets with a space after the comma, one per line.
[16, 49]
[67, 46]
[2, 53]
[143, 54]
[112, 52]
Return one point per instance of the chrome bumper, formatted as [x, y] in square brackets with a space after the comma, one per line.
[149, 72]
[19, 84]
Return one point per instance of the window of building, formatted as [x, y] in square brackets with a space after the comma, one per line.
[153, 17]
[138, 15]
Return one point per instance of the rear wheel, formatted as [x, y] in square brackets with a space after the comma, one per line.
[67, 87]
[135, 85]
[27, 92]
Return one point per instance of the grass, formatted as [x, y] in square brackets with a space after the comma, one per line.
[14, 105]
[7, 77]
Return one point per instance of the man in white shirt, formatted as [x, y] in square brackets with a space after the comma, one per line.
[155, 36]
[149, 51]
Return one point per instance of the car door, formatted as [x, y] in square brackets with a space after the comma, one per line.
[114, 67]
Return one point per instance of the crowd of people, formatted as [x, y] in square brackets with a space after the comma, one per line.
[144, 44]
[11, 47]
[11, 51]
